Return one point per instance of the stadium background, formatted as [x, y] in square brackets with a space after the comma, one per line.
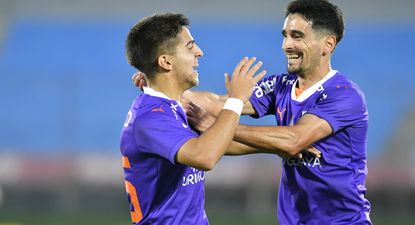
[65, 89]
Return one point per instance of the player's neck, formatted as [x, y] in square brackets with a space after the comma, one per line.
[166, 86]
[308, 79]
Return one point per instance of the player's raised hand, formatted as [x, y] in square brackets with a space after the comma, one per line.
[244, 79]
[139, 80]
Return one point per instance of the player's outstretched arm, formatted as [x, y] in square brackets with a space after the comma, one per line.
[289, 140]
[201, 120]
[206, 150]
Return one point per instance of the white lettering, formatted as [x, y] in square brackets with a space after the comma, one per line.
[291, 162]
[184, 181]
[309, 160]
[317, 162]
[306, 160]
[270, 85]
[301, 161]
[284, 78]
[264, 87]
[128, 119]
[193, 178]
[286, 81]
[258, 92]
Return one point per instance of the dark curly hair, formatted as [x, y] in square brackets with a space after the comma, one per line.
[322, 14]
[151, 37]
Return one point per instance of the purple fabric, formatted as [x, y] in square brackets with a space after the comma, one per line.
[329, 190]
[168, 192]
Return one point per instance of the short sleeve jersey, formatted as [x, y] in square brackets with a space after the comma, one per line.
[330, 189]
[160, 190]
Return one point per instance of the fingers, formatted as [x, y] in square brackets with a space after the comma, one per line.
[137, 76]
[200, 122]
[185, 104]
[240, 64]
[245, 67]
[134, 77]
[243, 80]
[192, 120]
[193, 106]
[254, 69]
[139, 80]
[314, 151]
[195, 111]
[190, 111]
[259, 76]
[227, 82]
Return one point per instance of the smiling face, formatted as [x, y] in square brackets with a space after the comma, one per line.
[185, 60]
[302, 45]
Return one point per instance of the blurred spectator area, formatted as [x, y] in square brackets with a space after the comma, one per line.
[66, 83]
[65, 89]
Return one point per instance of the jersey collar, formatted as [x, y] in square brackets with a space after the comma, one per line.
[154, 93]
[307, 93]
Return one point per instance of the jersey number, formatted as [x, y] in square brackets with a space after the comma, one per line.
[136, 214]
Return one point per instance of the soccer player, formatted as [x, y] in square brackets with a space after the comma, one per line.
[163, 158]
[313, 105]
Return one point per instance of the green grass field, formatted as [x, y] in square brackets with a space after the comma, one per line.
[117, 219]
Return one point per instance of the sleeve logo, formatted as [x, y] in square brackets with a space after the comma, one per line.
[264, 87]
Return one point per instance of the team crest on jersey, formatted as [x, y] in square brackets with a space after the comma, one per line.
[323, 97]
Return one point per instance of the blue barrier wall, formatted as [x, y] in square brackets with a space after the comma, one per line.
[65, 86]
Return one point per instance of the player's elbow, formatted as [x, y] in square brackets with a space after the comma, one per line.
[296, 144]
[288, 150]
[207, 160]
[206, 163]
[200, 156]
[208, 167]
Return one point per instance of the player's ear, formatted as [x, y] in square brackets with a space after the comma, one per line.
[329, 44]
[165, 62]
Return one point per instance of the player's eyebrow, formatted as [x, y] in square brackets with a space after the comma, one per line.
[293, 32]
[297, 32]
[191, 42]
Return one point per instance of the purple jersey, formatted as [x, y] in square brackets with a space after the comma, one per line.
[330, 189]
[160, 191]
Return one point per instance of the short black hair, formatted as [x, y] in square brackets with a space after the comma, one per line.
[322, 14]
[151, 37]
